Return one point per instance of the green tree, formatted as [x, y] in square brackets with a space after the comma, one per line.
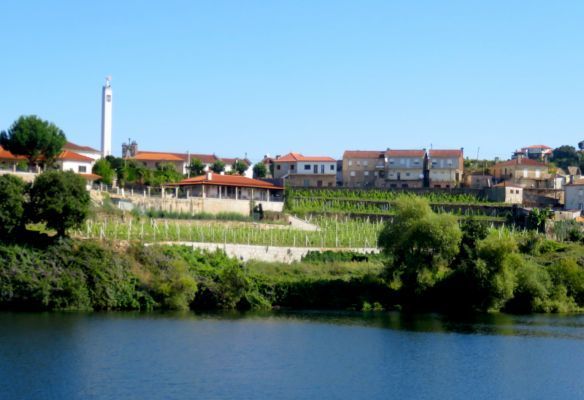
[218, 166]
[39, 141]
[565, 156]
[260, 170]
[12, 201]
[103, 168]
[421, 244]
[196, 167]
[240, 167]
[60, 200]
[164, 173]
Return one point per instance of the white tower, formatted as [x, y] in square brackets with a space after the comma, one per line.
[106, 118]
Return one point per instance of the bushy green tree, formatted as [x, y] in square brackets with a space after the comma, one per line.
[260, 170]
[103, 168]
[421, 245]
[60, 200]
[39, 141]
[218, 166]
[239, 167]
[196, 167]
[565, 156]
[12, 202]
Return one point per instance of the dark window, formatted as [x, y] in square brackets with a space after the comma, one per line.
[277, 166]
[332, 167]
[307, 166]
[82, 169]
[292, 167]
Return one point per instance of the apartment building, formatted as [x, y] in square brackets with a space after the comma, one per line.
[298, 170]
[445, 168]
[405, 168]
[363, 168]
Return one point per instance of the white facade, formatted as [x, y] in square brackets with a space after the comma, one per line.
[106, 119]
[574, 197]
[79, 167]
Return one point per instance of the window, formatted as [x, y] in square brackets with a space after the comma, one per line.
[350, 163]
[352, 173]
[402, 161]
[416, 162]
[407, 174]
[366, 173]
[332, 167]
[292, 167]
[278, 167]
[449, 162]
[306, 183]
[322, 168]
[82, 169]
[306, 167]
[391, 161]
[365, 163]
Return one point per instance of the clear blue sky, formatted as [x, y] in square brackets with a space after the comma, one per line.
[317, 77]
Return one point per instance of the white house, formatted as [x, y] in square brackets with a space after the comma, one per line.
[574, 196]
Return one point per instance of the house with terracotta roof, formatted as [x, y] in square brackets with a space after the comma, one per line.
[298, 170]
[405, 168]
[215, 193]
[66, 161]
[181, 161]
[524, 172]
[83, 150]
[446, 167]
[363, 168]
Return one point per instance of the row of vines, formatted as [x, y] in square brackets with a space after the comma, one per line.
[333, 233]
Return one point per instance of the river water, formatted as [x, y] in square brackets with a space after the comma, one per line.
[290, 355]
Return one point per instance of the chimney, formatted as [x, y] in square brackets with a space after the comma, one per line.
[209, 176]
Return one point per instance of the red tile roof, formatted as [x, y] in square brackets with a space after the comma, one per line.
[65, 155]
[363, 154]
[71, 156]
[538, 146]
[6, 155]
[520, 161]
[157, 156]
[205, 158]
[76, 147]
[226, 180]
[445, 153]
[405, 153]
[294, 157]
[90, 177]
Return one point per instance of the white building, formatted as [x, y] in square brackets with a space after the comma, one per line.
[574, 196]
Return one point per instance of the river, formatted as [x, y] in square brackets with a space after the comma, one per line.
[290, 355]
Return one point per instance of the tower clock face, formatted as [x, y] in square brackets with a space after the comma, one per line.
[108, 98]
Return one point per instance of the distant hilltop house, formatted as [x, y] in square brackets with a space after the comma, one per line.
[181, 161]
[399, 168]
[295, 169]
[538, 152]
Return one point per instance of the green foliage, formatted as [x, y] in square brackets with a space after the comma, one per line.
[222, 216]
[166, 277]
[39, 141]
[565, 156]
[60, 200]
[259, 170]
[422, 245]
[12, 201]
[103, 168]
[239, 167]
[196, 167]
[218, 166]
[164, 173]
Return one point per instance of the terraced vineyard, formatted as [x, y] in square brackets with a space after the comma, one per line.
[333, 233]
[305, 202]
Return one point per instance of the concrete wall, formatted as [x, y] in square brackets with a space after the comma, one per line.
[246, 252]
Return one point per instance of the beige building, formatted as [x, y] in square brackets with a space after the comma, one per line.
[298, 170]
[524, 172]
[574, 196]
[446, 168]
[363, 168]
[405, 168]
